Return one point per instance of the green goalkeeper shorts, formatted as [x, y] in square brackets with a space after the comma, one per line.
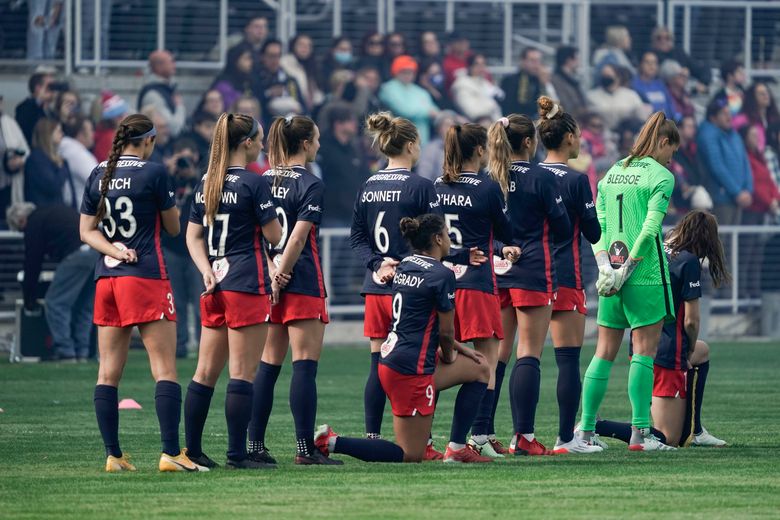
[636, 306]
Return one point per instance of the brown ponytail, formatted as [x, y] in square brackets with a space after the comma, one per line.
[505, 137]
[285, 138]
[460, 145]
[391, 133]
[553, 123]
[131, 128]
[655, 129]
[697, 233]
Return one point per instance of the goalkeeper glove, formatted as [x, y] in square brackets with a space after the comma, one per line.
[623, 273]
[606, 280]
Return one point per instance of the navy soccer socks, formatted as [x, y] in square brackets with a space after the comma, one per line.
[568, 390]
[374, 399]
[500, 371]
[262, 403]
[466, 407]
[238, 409]
[167, 403]
[524, 387]
[196, 410]
[107, 412]
[369, 450]
[303, 403]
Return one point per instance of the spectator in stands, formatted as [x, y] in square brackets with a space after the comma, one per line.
[13, 152]
[395, 45]
[407, 99]
[29, 111]
[600, 144]
[186, 281]
[458, 52]
[474, 94]
[662, 42]
[111, 109]
[772, 151]
[203, 125]
[300, 63]
[732, 73]
[431, 78]
[758, 110]
[431, 161]
[75, 148]
[615, 51]
[689, 175]
[248, 105]
[523, 88]
[235, 80]
[675, 78]
[212, 102]
[159, 91]
[723, 155]
[651, 88]
[162, 142]
[614, 102]
[255, 35]
[430, 48]
[343, 164]
[280, 94]
[45, 21]
[52, 232]
[340, 57]
[46, 174]
[565, 81]
[362, 94]
[67, 106]
[372, 54]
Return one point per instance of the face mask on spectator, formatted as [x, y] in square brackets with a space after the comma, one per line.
[342, 57]
[437, 80]
[607, 81]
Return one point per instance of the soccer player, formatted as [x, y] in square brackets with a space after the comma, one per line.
[474, 211]
[232, 212]
[421, 357]
[386, 197]
[560, 135]
[633, 283]
[299, 316]
[682, 360]
[537, 212]
[133, 199]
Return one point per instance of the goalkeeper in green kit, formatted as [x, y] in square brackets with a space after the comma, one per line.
[633, 284]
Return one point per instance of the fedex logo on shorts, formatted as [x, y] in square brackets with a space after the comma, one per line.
[590, 205]
[695, 284]
[451, 296]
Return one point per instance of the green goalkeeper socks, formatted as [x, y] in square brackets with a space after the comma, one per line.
[640, 389]
[594, 387]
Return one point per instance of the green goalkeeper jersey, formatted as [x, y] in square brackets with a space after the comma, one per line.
[625, 196]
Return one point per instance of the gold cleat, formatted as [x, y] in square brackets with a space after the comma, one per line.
[179, 463]
[118, 464]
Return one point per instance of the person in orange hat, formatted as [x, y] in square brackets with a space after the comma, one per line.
[406, 99]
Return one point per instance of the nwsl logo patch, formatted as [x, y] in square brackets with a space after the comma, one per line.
[618, 254]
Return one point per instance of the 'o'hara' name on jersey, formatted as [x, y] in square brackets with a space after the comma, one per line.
[532, 202]
[475, 213]
[138, 191]
[422, 287]
[384, 199]
[578, 201]
[299, 195]
[234, 240]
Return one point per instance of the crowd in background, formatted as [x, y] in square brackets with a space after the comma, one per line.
[728, 161]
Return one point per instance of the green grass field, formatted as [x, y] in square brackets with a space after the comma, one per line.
[51, 455]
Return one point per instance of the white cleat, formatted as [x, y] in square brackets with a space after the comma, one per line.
[575, 445]
[485, 449]
[705, 438]
[643, 440]
[590, 438]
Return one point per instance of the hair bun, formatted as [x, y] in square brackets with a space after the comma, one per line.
[379, 122]
[408, 226]
[547, 107]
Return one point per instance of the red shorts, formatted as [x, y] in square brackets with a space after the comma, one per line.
[668, 382]
[477, 315]
[524, 298]
[379, 315]
[123, 301]
[234, 309]
[293, 307]
[409, 395]
[568, 299]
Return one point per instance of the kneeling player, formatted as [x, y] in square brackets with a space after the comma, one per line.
[423, 312]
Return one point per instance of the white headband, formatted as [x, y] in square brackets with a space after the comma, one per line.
[552, 112]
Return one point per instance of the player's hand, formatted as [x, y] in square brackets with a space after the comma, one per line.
[275, 290]
[209, 282]
[448, 359]
[623, 273]
[282, 279]
[511, 253]
[606, 280]
[386, 270]
[476, 357]
[477, 257]
[128, 256]
[744, 199]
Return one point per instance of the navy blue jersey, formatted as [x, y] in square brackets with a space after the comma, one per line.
[578, 201]
[235, 239]
[137, 193]
[475, 213]
[535, 209]
[422, 287]
[299, 196]
[685, 276]
[384, 199]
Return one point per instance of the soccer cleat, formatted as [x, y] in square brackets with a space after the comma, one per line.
[522, 446]
[247, 463]
[431, 453]
[262, 456]
[485, 449]
[590, 438]
[464, 456]
[179, 463]
[497, 446]
[643, 440]
[575, 445]
[203, 460]
[322, 436]
[316, 458]
[118, 464]
[705, 438]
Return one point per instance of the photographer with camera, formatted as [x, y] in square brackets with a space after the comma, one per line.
[13, 153]
[186, 280]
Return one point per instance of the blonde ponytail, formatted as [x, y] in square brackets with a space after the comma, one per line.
[649, 138]
[218, 163]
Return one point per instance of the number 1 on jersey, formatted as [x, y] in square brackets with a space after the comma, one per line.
[620, 212]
